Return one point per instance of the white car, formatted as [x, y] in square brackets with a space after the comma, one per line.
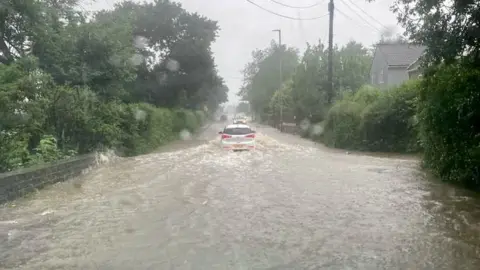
[237, 137]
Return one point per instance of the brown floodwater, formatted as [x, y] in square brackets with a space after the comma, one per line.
[291, 204]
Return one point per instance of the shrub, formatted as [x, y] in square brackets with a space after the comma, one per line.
[201, 117]
[101, 127]
[191, 122]
[152, 127]
[185, 119]
[388, 124]
[47, 150]
[13, 150]
[375, 120]
[449, 114]
[146, 127]
[342, 125]
[366, 95]
[156, 128]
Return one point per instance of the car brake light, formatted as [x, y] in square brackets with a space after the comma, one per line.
[250, 136]
[225, 136]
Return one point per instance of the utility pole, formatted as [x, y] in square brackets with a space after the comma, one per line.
[281, 71]
[330, 52]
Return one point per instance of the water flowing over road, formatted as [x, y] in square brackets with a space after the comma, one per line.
[290, 204]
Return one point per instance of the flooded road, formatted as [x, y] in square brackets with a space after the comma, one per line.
[291, 204]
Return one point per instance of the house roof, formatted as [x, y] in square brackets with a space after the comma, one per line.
[400, 54]
[414, 65]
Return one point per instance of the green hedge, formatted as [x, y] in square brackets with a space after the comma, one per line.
[375, 120]
[189, 120]
[342, 125]
[389, 123]
[449, 112]
[131, 129]
[201, 117]
[146, 127]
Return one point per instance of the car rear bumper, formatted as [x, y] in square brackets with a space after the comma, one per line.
[238, 146]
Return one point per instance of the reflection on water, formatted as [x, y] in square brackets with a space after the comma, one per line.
[287, 205]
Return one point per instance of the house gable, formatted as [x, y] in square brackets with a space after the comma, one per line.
[391, 61]
[378, 69]
[401, 54]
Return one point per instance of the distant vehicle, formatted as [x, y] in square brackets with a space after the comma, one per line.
[223, 118]
[240, 120]
[237, 137]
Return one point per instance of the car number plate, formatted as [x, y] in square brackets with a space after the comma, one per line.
[237, 145]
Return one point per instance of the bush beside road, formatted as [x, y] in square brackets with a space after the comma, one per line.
[74, 82]
[375, 120]
[436, 116]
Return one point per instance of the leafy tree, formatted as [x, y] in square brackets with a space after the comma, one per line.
[97, 54]
[262, 76]
[281, 104]
[72, 82]
[448, 29]
[309, 78]
[309, 84]
[17, 19]
[449, 100]
[354, 70]
[23, 23]
[449, 111]
[310, 81]
[178, 66]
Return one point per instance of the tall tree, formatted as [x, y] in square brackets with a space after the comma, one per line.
[449, 29]
[177, 67]
[310, 81]
[22, 21]
[354, 69]
[262, 75]
[79, 82]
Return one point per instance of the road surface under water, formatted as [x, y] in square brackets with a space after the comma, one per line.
[290, 204]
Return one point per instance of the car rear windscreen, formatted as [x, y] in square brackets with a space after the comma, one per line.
[237, 131]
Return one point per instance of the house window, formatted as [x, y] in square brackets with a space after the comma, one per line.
[380, 78]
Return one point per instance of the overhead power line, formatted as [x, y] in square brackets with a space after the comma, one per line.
[284, 16]
[354, 11]
[299, 7]
[366, 13]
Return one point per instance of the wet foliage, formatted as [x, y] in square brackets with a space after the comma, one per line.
[450, 123]
[263, 76]
[375, 120]
[130, 78]
[449, 29]
[302, 89]
[438, 114]
[449, 102]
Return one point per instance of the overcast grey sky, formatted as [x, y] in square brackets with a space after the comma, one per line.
[245, 27]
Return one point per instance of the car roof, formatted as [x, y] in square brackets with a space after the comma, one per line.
[238, 126]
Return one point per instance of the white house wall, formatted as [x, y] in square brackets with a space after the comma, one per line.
[397, 76]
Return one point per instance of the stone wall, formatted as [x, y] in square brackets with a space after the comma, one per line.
[21, 182]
